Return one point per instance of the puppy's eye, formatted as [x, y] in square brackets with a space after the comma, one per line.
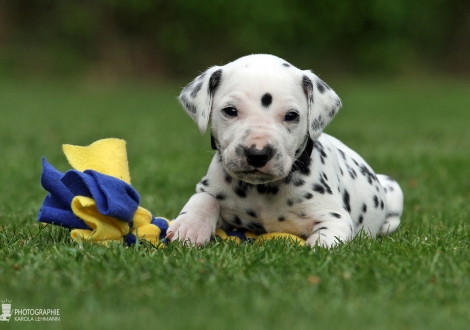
[291, 116]
[230, 111]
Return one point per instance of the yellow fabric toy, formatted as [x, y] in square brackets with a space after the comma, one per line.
[107, 156]
[104, 206]
[98, 203]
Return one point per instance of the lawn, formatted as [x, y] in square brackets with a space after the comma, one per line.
[418, 278]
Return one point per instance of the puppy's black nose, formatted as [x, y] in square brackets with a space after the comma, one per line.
[259, 158]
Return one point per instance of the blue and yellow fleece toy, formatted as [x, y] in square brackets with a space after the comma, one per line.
[97, 201]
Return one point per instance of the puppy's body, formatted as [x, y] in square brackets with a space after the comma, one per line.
[274, 170]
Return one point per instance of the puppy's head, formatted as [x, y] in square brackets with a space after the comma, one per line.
[262, 110]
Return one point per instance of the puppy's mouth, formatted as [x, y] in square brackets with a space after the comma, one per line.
[255, 169]
[255, 176]
[254, 172]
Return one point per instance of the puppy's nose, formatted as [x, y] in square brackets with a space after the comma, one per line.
[259, 158]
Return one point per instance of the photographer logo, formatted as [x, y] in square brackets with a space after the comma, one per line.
[6, 310]
[28, 314]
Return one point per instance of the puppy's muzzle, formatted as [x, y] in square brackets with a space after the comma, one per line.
[258, 158]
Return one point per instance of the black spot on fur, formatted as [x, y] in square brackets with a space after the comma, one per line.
[319, 147]
[251, 213]
[240, 192]
[322, 86]
[376, 201]
[290, 202]
[343, 155]
[299, 182]
[364, 208]
[288, 178]
[346, 201]
[272, 190]
[267, 189]
[237, 220]
[332, 113]
[196, 90]
[308, 196]
[262, 188]
[307, 83]
[370, 176]
[256, 228]
[318, 123]
[228, 178]
[352, 172]
[182, 213]
[214, 81]
[281, 218]
[382, 204]
[286, 65]
[327, 187]
[302, 163]
[188, 105]
[336, 215]
[221, 196]
[318, 188]
[205, 182]
[241, 188]
[266, 100]
[322, 187]
[361, 219]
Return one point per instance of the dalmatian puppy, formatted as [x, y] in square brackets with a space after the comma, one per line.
[274, 170]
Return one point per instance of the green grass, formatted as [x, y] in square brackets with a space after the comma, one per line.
[418, 278]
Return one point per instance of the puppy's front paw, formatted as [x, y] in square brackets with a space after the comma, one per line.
[318, 239]
[197, 222]
[192, 230]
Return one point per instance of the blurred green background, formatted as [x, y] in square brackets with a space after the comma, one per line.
[78, 71]
[116, 39]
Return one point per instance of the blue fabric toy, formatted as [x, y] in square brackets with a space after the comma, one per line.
[97, 202]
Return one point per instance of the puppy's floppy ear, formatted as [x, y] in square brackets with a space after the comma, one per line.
[196, 97]
[323, 103]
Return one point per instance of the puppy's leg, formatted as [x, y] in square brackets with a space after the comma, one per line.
[197, 221]
[331, 228]
[394, 200]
